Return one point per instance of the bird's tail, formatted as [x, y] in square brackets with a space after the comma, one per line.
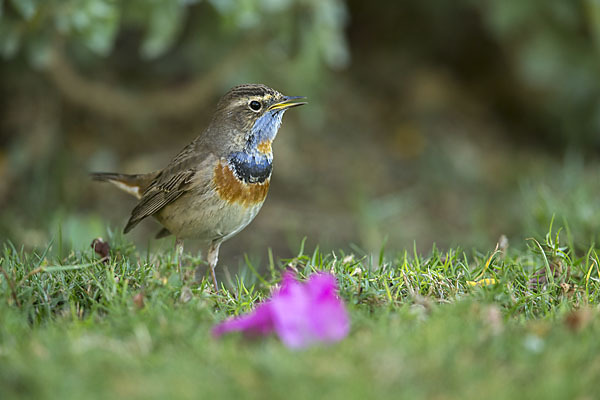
[132, 184]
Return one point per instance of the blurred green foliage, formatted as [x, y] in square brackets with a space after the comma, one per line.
[536, 62]
[29, 26]
[554, 47]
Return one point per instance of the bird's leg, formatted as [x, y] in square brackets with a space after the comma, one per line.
[212, 258]
[179, 255]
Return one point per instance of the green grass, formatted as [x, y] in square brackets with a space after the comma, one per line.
[74, 327]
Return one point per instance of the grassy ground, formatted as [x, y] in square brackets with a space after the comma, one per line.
[517, 322]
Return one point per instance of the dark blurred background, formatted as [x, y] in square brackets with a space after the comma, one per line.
[447, 122]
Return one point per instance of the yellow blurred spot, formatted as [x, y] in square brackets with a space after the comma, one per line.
[482, 282]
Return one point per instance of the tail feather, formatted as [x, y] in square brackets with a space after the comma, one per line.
[132, 184]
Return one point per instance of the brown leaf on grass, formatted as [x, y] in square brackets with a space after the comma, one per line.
[541, 278]
[577, 320]
[138, 300]
[101, 248]
[566, 288]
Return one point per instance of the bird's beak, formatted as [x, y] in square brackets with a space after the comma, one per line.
[287, 103]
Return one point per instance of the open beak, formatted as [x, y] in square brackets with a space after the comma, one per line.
[287, 103]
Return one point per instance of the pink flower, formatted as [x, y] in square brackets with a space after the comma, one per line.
[300, 314]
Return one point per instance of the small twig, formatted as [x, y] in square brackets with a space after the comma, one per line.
[11, 284]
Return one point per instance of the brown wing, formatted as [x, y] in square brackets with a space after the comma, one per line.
[159, 194]
[172, 182]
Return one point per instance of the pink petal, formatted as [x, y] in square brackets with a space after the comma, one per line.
[290, 308]
[300, 314]
[304, 314]
[329, 318]
[258, 322]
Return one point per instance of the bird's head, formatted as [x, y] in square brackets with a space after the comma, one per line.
[248, 117]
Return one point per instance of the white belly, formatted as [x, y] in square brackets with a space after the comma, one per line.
[206, 218]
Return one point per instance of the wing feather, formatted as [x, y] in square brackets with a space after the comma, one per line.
[158, 195]
[186, 170]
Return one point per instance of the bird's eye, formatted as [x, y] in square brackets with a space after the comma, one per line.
[255, 105]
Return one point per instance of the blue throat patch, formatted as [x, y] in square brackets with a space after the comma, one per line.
[250, 165]
[251, 168]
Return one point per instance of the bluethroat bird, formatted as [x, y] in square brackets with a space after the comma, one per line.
[217, 184]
